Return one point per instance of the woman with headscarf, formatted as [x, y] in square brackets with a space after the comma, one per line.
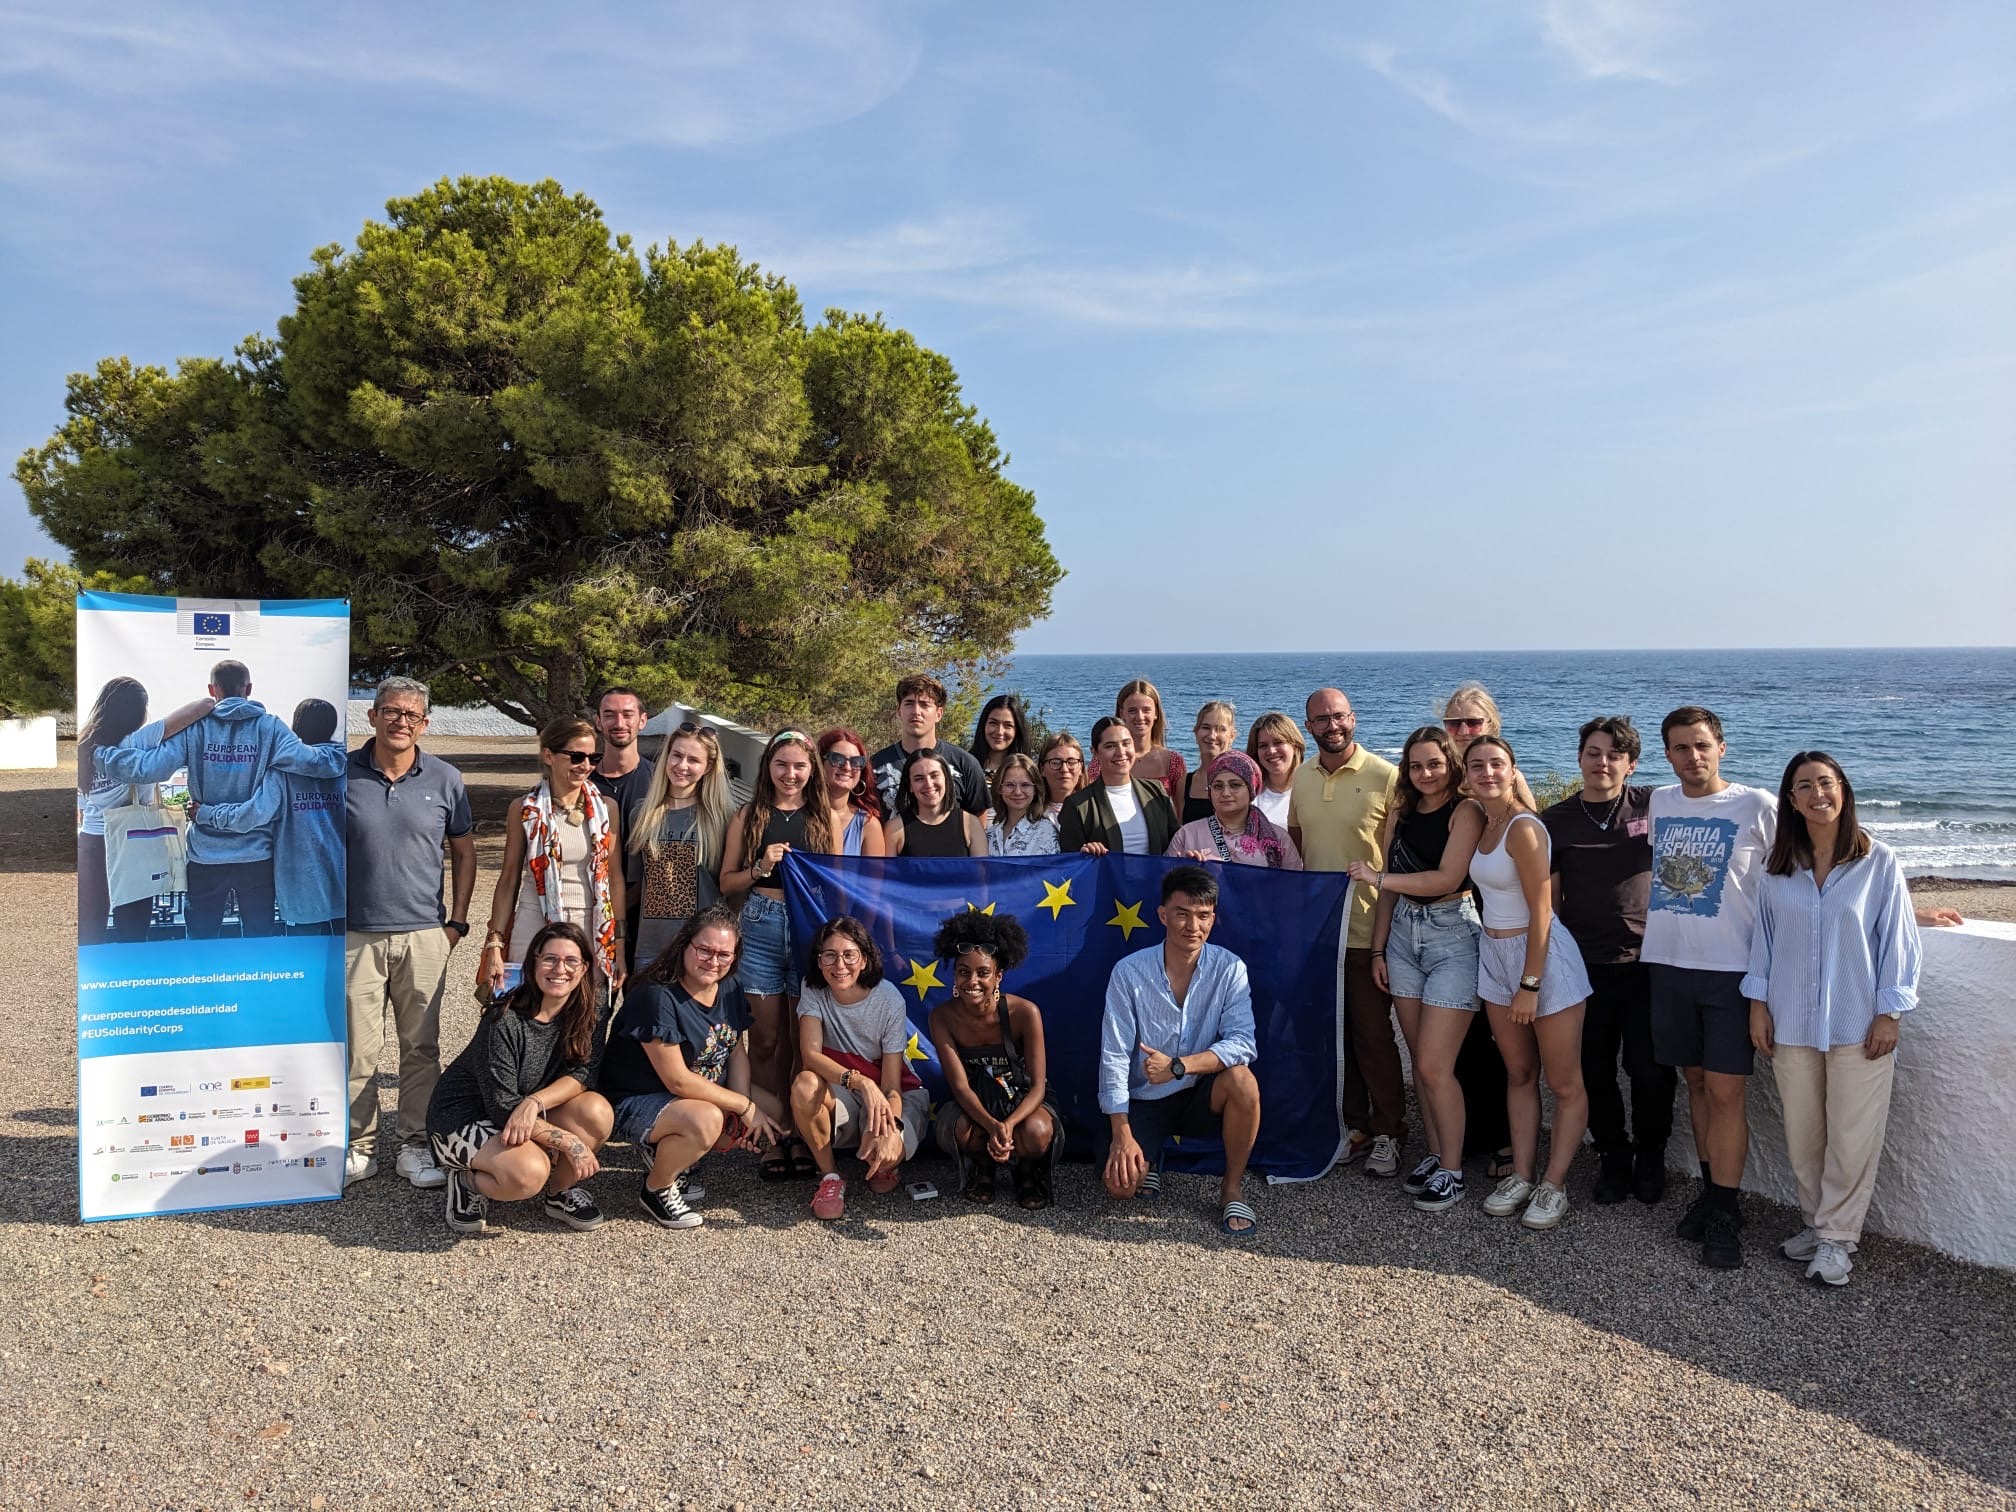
[1235, 830]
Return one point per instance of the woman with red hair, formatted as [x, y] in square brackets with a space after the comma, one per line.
[851, 795]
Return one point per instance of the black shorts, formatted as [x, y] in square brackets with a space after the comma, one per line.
[1186, 1114]
[1701, 1018]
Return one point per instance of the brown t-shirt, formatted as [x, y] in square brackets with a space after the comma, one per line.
[1606, 872]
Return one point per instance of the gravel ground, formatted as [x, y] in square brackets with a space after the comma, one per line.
[1358, 1354]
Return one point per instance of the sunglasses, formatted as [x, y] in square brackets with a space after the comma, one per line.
[846, 763]
[1463, 724]
[581, 758]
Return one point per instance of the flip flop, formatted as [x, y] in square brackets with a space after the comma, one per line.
[1236, 1209]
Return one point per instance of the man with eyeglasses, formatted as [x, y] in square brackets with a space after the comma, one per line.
[1336, 809]
[623, 775]
[1710, 839]
[920, 705]
[401, 808]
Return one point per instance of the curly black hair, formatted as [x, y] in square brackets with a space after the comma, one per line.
[999, 935]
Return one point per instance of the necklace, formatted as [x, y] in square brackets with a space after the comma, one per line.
[1608, 819]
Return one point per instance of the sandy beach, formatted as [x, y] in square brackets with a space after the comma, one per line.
[937, 1355]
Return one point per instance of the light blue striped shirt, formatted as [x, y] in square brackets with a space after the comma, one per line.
[1216, 1014]
[1829, 959]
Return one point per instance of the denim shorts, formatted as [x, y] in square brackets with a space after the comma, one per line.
[767, 968]
[1563, 983]
[636, 1114]
[1431, 952]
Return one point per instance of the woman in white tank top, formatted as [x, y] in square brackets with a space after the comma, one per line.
[1532, 980]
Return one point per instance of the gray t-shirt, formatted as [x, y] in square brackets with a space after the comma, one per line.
[395, 834]
[872, 1028]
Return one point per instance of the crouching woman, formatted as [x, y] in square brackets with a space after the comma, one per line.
[513, 1116]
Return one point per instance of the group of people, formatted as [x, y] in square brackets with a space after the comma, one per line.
[1683, 929]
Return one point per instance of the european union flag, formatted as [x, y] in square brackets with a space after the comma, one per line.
[211, 622]
[1083, 913]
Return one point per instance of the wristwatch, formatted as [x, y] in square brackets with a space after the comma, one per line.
[1529, 984]
[460, 926]
[1176, 1071]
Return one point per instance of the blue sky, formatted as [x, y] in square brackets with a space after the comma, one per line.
[1571, 323]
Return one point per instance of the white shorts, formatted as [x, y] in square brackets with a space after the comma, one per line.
[1500, 964]
[847, 1119]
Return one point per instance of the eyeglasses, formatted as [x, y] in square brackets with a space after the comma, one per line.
[1062, 763]
[564, 965]
[1453, 724]
[711, 955]
[1816, 785]
[1329, 719]
[401, 716]
[840, 958]
[842, 763]
[581, 758]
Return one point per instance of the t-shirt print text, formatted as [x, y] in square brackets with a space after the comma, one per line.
[1690, 862]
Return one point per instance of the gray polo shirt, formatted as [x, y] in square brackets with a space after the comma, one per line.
[396, 832]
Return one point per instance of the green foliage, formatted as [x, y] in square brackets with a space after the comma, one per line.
[536, 463]
[1552, 788]
[38, 634]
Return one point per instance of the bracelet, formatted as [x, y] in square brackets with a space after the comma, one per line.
[490, 945]
[1379, 955]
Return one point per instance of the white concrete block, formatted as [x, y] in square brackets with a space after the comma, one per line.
[28, 743]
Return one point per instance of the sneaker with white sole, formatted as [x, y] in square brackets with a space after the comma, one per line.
[416, 1164]
[467, 1207]
[1803, 1245]
[1415, 1182]
[1357, 1145]
[1508, 1197]
[359, 1166]
[575, 1208]
[830, 1200]
[1831, 1264]
[688, 1183]
[1444, 1190]
[1384, 1161]
[1548, 1206]
[669, 1208]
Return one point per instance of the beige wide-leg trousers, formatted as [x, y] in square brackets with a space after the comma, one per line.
[1837, 1108]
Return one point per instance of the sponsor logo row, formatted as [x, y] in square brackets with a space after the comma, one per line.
[236, 1168]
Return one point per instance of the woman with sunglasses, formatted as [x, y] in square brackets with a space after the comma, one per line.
[928, 819]
[1834, 963]
[560, 840]
[512, 1116]
[1020, 827]
[1471, 711]
[1062, 763]
[1276, 742]
[853, 801]
[1002, 731]
[680, 833]
[787, 812]
[1217, 731]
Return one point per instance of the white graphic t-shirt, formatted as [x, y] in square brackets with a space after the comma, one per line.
[1707, 868]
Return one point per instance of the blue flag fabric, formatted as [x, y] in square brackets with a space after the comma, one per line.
[1083, 913]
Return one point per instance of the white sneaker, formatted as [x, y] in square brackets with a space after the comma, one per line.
[1385, 1157]
[1548, 1207]
[416, 1164]
[1801, 1246]
[1508, 1197]
[358, 1166]
[1357, 1143]
[1831, 1264]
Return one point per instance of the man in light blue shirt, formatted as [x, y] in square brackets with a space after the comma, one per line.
[1176, 1052]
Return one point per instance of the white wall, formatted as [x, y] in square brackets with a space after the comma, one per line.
[1947, 1179]
[26, 743]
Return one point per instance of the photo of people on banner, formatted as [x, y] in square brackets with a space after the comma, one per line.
[211, 755]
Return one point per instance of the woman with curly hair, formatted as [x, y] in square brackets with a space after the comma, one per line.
[990, 1049]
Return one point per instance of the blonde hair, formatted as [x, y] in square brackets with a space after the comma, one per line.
[711, 799]
[1278, 725]
[1159, 735]
[1219, 706]
[1477, 695]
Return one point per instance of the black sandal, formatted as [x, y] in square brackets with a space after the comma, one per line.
[1032, 1183]
[802, 1166]
[979, 1176]
[776, 1165]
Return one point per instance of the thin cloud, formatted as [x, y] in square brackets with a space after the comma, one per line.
[1619, 39]
[1434, 91]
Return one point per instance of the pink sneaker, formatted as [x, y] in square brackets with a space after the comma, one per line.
[886, 1182]
[830, 1200]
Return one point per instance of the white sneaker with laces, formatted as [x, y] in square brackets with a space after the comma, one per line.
[1548, 1207]
[1831, 1264]
[1385, 1157]
[358, 1166]
[1801, 1246]
[416, 1164]
[1508, 1197]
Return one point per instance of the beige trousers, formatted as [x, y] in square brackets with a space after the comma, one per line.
[1837, 1107]
[406, 972]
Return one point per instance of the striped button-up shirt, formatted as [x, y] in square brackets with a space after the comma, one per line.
[1216, 1014]
[1828, 959]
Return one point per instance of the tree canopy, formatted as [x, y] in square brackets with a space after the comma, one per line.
[537, 463]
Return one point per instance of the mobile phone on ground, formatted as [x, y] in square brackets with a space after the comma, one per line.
[921, 1191]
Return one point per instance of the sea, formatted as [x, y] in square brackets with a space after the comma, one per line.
[1924, 735]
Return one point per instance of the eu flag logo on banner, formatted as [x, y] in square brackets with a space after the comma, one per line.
[1083, 913]
[213, 623]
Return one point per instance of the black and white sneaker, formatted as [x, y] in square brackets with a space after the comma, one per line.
[467, 1207]
[1415, 1182]
[688, 1183]
[575, 1208]
[1444, 1190]
[669, 1207]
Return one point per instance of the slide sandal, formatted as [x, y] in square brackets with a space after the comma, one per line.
[1235, 1210]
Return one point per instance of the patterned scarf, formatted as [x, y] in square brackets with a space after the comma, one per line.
[1251, 840]
[543, 861]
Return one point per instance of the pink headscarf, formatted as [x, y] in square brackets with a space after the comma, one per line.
[1242, 766]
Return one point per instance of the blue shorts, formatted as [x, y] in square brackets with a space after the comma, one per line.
[767, 968]
[1431, 952]
[635, 1116]
[1564, 981]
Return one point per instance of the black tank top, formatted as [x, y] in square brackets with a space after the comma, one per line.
[786, 826]
[1195, 808]
[945, 838]
[1420, 840]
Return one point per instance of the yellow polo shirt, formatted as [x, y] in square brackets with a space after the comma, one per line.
[1339, 815]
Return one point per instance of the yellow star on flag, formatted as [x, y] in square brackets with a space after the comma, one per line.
[914, 1051]
[1057, 899]
[987, 910]
[1128, 918]
[923, 976]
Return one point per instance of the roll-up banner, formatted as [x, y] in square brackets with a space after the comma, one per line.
[211, 1068]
